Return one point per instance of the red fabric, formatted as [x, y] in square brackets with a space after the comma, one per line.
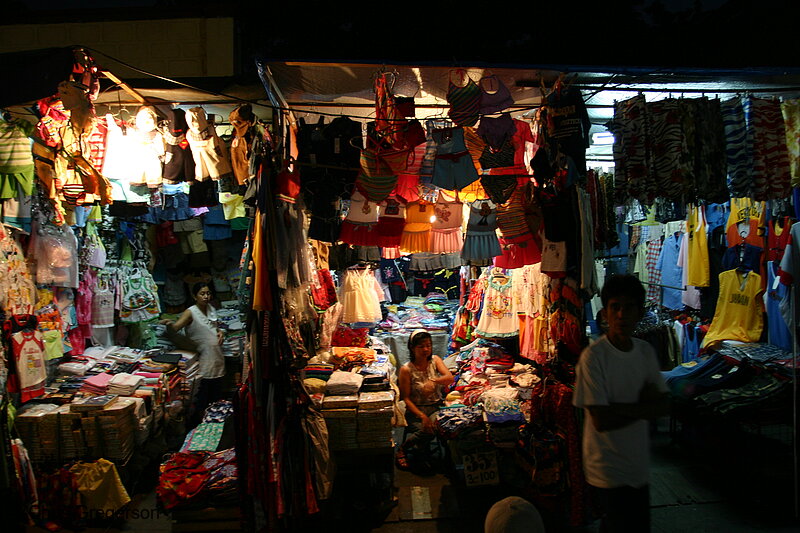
[323, 294]
[183, 476]
[288, 185]
[390, 231]
[359, 234]
[346, 336]
[518, 251]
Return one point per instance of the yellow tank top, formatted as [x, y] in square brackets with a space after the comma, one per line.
[739, 308]
[698, 270]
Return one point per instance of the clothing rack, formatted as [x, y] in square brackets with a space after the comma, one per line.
[665, 286]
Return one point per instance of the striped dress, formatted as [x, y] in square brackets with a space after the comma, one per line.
[16, 158]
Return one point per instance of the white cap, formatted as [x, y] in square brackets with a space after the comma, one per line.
[513, 514]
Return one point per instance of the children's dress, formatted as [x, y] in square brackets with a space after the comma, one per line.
[446, 229]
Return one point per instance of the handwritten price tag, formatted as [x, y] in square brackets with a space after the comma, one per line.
[481, 469]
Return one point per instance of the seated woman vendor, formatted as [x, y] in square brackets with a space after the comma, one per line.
[421, 382]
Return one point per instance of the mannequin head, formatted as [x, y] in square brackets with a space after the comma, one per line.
[74, 95]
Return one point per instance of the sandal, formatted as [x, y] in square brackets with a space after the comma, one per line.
[401, 460]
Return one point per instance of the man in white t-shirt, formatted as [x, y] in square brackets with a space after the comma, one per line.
[618, 382]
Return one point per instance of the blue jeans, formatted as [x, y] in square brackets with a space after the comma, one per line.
[416, 439]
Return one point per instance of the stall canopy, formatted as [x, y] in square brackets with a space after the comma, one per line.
[345, 88]
[35, 74]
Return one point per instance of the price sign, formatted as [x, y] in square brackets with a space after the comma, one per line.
[481, 469]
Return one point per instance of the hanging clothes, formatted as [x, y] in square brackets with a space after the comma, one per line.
[391, 222]
[691, 295]
[522, 146]
[360, 226]
[791, 117]
[778, 233]
[359, 297]
[16, 158]
[519, 246]
[464, 99]
[739, 308]
[771, 171]
[632, 178]
[499, 311]
[746, 222]
[698, 268]
[775, 294]
[567, 126]
[481, 243]
[178, 159]
[150, 149]
[494, 96]
[670, 272]
[243, 121]
[790, 274]
[120, 164]
[739, 158]
[453, 168]
[212, 160]
[446, 234]
[27, 347]
[417, 232]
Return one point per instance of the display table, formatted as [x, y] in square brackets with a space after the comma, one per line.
[398, 344]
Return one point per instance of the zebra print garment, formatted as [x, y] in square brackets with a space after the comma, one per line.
[709, 150]
[738, 157]
[771, 177]
[666, 144]
[633, 178]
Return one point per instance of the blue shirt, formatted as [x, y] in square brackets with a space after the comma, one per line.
[671, 273]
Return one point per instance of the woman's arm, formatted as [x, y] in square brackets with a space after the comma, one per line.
[184, 320]
[445, 377]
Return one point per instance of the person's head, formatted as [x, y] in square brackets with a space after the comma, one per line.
[420, 345]
[201, 291]
[513, 514]
[623, 298]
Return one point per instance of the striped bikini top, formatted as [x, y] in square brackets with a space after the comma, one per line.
[464, 103]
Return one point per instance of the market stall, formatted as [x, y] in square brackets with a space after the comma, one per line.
[469, 203]
[109, 218]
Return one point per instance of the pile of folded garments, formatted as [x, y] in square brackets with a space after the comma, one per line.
[124, 384]
[343, 383]
[97, 385]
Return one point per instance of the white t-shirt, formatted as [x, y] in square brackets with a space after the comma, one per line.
[607, 375]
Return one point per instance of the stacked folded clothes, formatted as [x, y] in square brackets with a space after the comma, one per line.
[321, 371]
[343, 383]
[124, 384]
[97, 385]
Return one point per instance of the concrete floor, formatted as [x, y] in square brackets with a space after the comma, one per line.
[689, 492]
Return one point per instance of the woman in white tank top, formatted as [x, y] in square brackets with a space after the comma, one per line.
[200, 324]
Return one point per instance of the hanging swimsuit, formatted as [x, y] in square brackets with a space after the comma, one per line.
[496, 101]
[464, 103]
[453, 168]
[497, 132]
